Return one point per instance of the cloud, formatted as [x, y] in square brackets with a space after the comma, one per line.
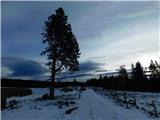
[17, 67]
[88, 69]
[125, 44]
[69, 77]
[138, 10]
[14, 67]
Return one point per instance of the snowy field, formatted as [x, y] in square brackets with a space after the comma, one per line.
[77, 104]
[146, 102]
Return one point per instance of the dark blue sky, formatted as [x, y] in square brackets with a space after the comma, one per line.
[109, 33]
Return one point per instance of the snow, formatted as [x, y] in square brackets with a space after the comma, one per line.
[28, 108]
[144, 100]
[96, 107]
[90, 106]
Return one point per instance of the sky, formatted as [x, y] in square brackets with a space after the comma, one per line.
[109, 34]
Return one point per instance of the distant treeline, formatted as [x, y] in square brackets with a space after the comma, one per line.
[34, 83]
[138, 80]
[114, 83]
[111, 83]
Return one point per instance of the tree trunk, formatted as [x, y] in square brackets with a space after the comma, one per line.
[52, 86]
[51, 94]
[53, 69]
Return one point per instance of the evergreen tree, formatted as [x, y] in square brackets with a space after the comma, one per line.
[138, 73]
[133, 71]
[154, 69]
[123, 73]
[157, 69]
[62, 48]
[100, 77]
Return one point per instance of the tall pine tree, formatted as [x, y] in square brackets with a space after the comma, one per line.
[155, 70]
[137, 71]
[62, 48]
[123, 73]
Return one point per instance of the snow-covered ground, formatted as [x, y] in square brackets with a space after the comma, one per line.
[144, 102]
[71, 105]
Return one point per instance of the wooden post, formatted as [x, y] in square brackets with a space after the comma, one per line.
[135, 102]
[125, 100]
[155, 111]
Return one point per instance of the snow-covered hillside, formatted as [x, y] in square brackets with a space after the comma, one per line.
[74, 104]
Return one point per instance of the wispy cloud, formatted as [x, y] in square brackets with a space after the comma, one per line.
[126, 43]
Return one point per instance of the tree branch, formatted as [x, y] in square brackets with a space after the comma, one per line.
[59, 68]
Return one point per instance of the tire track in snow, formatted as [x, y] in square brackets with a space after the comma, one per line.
[94, 107]
[97, 109]
[116, 116]
[90, 110]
